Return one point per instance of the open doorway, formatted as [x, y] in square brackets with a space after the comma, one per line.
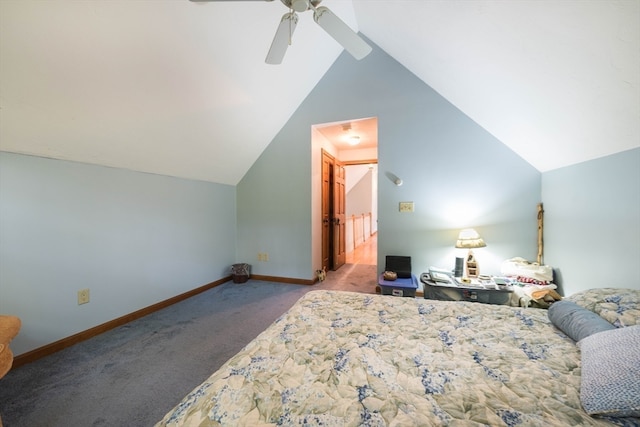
[345, 193]
[361, 186]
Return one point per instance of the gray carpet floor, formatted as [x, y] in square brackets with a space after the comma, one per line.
[133, 375]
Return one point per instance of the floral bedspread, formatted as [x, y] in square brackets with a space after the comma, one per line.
[348, 359]
[619, 306]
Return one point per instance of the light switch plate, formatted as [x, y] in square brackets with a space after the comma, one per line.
[406, 206]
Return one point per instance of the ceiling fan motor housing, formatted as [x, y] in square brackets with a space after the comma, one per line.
[301, 5]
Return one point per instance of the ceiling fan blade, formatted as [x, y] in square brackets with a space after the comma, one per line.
[282, 39]
[341, 32]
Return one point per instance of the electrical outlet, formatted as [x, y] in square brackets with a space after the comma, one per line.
[265, 257]
[83, 296]
[406, 206]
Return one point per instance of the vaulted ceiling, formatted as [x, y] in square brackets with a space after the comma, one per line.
[180, 88]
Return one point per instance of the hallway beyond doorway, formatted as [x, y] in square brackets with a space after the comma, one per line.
[366, 253]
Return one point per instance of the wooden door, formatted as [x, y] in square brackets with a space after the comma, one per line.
[339, 215]
[333, 213]
[327, 200]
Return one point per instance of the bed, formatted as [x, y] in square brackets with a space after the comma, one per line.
[349, 359]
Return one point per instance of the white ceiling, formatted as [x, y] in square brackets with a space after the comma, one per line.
[180, 88]
[341, 134]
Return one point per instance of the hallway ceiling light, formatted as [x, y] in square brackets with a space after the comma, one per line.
[354, 140]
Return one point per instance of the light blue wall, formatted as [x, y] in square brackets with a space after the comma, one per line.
[458, 176]
[274, 207]
[456, 173]
[133, 239]
[592, 222]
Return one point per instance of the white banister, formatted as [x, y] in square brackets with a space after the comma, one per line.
[358, 230]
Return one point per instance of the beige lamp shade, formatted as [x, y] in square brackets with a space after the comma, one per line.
[469, 239]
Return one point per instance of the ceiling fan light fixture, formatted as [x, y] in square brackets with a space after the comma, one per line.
[299, 5]
[341, 32]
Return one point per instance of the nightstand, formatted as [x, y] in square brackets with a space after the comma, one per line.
[488, 294]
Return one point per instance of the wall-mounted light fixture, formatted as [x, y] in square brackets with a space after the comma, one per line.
[395, 179]
[470, 239]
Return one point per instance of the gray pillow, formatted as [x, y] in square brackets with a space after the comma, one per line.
[575, 321]
[610, 382]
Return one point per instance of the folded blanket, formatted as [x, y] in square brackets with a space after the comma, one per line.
[521, 267]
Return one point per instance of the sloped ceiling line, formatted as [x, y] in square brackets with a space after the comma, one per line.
[181, 88]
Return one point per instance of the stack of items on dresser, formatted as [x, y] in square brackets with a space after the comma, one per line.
[533, 283]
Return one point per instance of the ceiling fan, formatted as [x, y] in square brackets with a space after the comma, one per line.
[329, 22]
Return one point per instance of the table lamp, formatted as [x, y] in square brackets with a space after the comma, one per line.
[470, 239]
